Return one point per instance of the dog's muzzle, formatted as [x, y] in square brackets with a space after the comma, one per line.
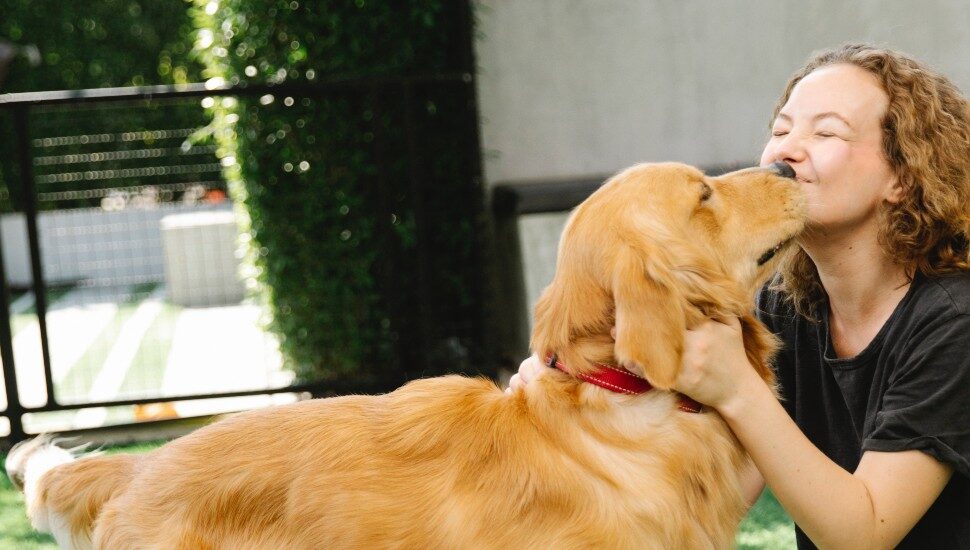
[782, 169]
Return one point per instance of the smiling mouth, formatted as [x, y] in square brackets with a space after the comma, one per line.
[767, 256]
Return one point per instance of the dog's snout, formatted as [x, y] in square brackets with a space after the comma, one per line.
[782, 169]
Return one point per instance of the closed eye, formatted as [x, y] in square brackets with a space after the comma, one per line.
[706, 191]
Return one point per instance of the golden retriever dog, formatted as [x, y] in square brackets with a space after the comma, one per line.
[455, 462]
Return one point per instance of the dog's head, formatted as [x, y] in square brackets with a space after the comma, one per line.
[655, 250]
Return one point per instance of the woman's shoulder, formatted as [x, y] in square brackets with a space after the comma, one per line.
[939, 298]
[947, 294]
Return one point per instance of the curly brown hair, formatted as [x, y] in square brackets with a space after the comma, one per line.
[926, 139]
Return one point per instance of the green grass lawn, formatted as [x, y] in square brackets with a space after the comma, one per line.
[767, 527]
[15, 532]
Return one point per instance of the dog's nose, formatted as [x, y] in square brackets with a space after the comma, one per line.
[782, 169]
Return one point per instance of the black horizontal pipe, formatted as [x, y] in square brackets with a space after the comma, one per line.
[100, 95]
[316, 389]
[538, 196]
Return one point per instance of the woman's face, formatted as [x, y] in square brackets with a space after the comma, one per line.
[830, 132]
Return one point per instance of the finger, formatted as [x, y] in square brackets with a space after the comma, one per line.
[707, 325]
[734, 322]
[530, 368]
[729, 320]
[613, 333]
[699, 324]
[514, 382]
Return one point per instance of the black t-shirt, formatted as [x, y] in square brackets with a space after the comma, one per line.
[909, 389]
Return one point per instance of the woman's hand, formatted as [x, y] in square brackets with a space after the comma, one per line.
[528, 371]
[714, 366]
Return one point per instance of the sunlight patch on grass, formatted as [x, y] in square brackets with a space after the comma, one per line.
[77, 383]
[144, 378]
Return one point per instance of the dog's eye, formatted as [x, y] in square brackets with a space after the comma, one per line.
[706, 191]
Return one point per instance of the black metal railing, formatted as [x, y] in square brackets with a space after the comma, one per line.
[159, 161]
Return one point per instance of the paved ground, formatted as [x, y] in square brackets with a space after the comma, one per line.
[125, 343]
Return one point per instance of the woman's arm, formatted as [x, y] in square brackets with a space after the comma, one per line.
[874, 507]
[752, 483]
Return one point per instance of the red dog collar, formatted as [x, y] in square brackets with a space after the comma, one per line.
[620, 380]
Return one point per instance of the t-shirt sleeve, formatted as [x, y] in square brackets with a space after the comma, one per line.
[926, 405]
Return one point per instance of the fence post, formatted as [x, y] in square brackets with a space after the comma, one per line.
[416, 187]
[25, 161]
[14, 411]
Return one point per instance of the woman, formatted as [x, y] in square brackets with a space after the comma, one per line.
[870, 447]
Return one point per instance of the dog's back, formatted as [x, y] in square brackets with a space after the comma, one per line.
[449, 462]
[346, 472]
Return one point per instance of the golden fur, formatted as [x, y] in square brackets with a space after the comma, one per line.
[454, 462]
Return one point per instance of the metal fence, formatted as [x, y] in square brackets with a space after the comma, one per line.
[118, 298]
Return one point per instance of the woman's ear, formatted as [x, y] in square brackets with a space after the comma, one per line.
[896, 191]
[650, 318]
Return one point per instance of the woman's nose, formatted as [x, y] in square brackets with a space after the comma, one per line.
[790, 148]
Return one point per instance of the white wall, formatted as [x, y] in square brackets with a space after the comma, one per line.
[575, 87]
[588, 87]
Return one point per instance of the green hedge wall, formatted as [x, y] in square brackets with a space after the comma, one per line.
[99, 44]
[363, 202]
[107, 43]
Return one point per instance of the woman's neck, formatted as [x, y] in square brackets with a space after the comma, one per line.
[853, 267]
[864, 286]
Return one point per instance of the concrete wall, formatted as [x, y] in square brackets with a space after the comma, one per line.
[570, 87]
[122, 247]
[588, 87]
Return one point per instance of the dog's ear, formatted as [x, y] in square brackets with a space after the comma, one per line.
[650, 316]
[759, 345]
[571, 306]
[550, 330]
